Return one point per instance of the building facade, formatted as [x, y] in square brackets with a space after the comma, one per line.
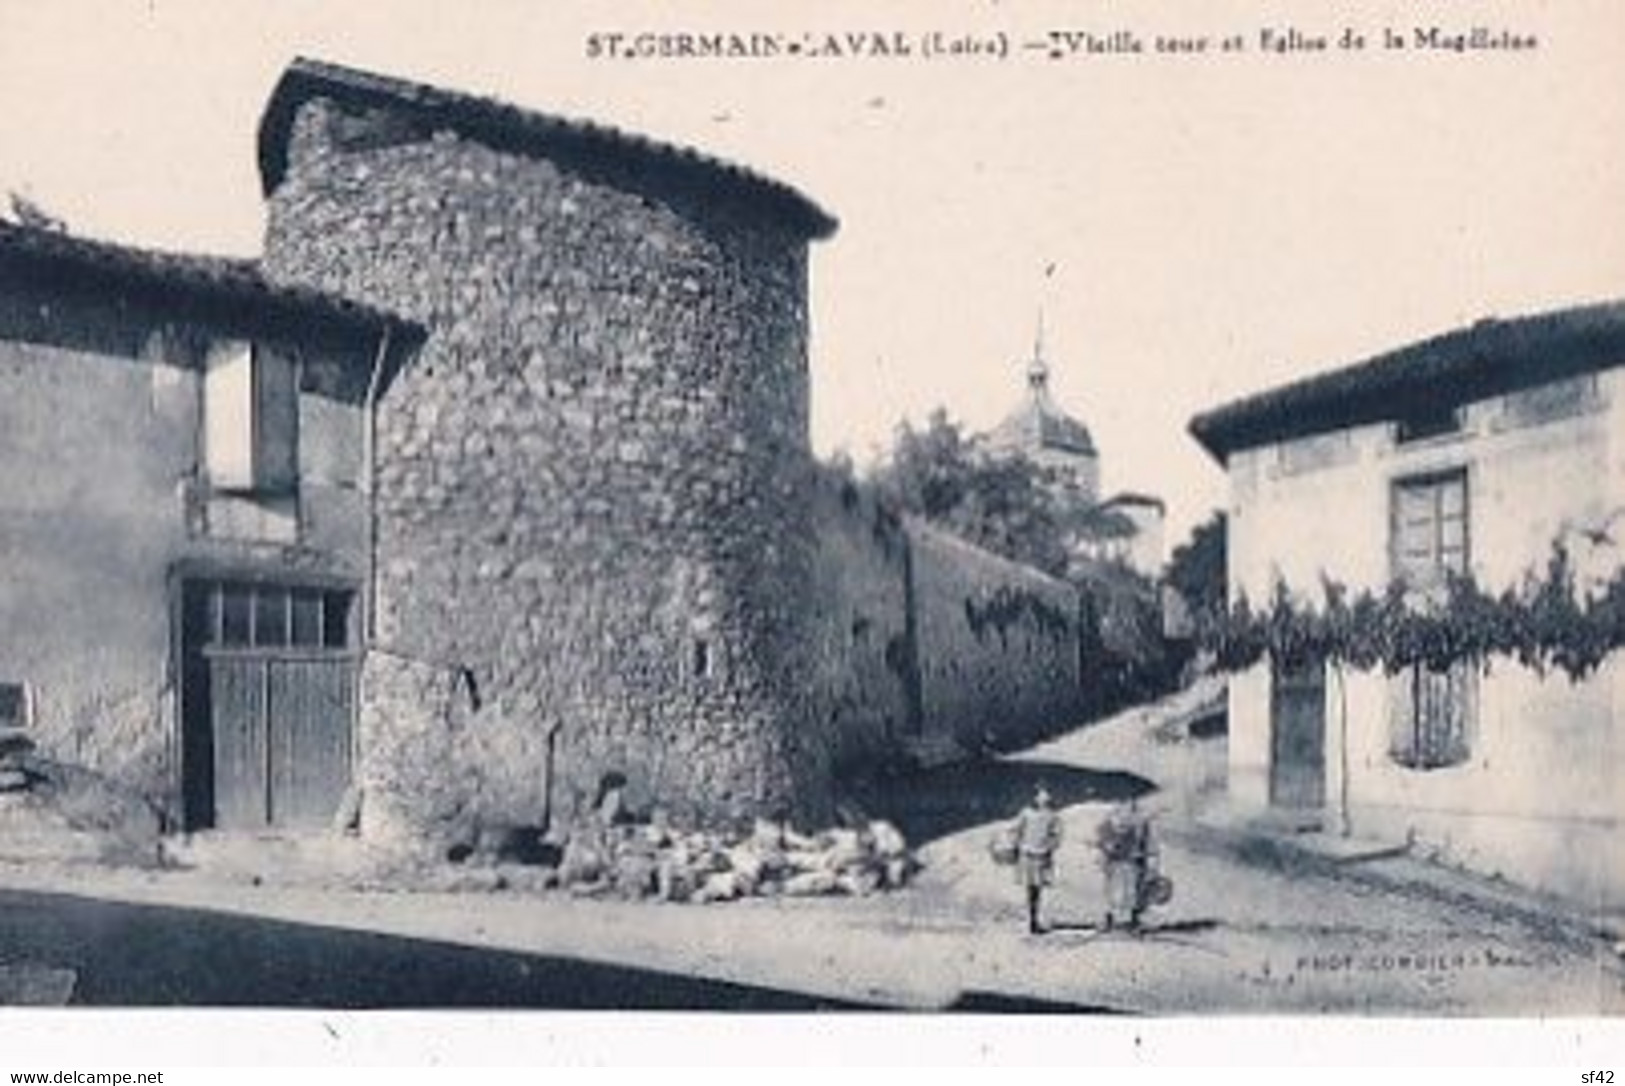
[184, 548]
[1473, 452]
[490, 480]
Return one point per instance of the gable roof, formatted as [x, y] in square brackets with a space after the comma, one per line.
[1483, 359]
[217, 286]
[632, 160]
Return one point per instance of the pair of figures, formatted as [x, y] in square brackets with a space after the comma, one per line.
[1128, 853]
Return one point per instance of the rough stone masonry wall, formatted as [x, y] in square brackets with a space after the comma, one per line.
[861, 697]
[589, 480]
[916, 635]
[997, 642]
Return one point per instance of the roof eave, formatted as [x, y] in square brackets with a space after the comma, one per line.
[214, 288]
[1473, 362]
[508, 127]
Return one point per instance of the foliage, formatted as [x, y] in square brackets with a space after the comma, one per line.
[1127, 661]
[1101, 522]
[1007, 606]
[1012, 507]
[1196, 569]
[997, 503]
[25, 212]
[1544, 623]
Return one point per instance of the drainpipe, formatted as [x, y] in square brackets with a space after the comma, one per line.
[369, 468]
[369, 588]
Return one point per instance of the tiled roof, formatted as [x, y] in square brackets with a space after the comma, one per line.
[1484, 359]
[1134, 497]
[1039, 424]
[223, 283]
[631, 158]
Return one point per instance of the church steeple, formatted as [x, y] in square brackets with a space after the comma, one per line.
[1038, 429]
[1043, 433]
[1038, 369]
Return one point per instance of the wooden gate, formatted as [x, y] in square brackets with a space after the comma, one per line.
[1298, 737]
[269, 704]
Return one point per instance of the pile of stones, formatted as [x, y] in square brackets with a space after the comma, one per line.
[651, 860]
[51, 810]
[17, 776]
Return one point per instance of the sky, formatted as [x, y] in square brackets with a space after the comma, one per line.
[1193, 228]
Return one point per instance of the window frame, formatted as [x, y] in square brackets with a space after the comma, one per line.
[1443, 734]
[255, 453]
[24, 718]
[1434, 480]
[337, 632]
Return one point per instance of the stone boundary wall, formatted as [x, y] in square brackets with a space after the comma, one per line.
[997, 643]
[862, 695]
[920, 639]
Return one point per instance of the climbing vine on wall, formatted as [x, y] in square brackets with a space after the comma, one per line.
[1544, 623]
[1006, 606]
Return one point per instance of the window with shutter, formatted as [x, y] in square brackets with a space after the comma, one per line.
[1431, 712]
[250, 420]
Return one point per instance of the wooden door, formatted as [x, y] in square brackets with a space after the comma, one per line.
[1298, 737]
[237, 726]
[269, 704]
[309, 707]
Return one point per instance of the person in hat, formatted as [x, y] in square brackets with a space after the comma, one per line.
[1037, 836]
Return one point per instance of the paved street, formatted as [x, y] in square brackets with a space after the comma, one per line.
[1247, 931]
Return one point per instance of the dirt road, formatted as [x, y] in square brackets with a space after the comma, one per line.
[1244, 933]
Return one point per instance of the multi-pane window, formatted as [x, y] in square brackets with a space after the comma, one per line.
[1430, 529]
[1431, 711]
[250, 419]
[241, 615]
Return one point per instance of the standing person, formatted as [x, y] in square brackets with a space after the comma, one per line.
[1037, 834]
[1127, 853]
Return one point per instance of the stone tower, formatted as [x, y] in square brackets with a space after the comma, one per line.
[592, 537]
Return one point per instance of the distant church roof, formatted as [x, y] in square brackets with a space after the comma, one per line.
[1038, 423]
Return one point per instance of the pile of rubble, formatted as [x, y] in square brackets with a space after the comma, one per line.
[652, 860]
[15, 775]
[51, 810]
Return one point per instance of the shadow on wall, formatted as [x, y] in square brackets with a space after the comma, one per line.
[938, 802]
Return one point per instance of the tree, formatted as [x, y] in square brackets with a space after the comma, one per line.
[26, 212]
[1196, 569]
[1000, 504]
